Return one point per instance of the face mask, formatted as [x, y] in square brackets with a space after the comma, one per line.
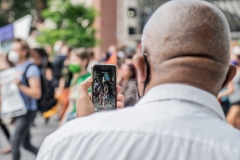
[74, 68]
[56, 48]
[147, 78]
[13, 57]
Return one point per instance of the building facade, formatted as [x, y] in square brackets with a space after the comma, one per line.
[120, 22]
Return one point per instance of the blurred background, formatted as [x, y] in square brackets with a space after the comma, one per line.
[93, 23]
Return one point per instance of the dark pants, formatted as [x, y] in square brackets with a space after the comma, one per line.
[22, 134]
[5, 130]
[226, 107]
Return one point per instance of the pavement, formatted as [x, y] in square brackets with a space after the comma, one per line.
[98, 106]
[38, 132]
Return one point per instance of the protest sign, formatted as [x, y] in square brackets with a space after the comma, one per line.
[12, 104]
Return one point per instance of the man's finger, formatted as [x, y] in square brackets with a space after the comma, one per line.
[120, 97]
[120, 101]
[83, 87]
[120, 104]
[119, 88]
[84, 103]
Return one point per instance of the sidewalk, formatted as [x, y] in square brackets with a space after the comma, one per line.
[39, 132]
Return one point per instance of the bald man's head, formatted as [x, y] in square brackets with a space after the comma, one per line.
[191, 35]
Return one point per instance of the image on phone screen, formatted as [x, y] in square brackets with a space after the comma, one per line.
[104, 87]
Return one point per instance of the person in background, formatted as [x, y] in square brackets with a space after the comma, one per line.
[121, 56]
[40, 58]
[30, 90]
[233, 93]
[184, 63]
[128, 83]
[7, 134]
[61, 50]
[78, 62]
[62, 92]
[112, 54]
[223, 96]
[105, 95]
[129, 57]
[92, 61]
[31, 40]
[5, 64]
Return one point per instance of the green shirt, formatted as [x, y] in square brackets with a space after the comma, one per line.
[81, 79]
[75, 88]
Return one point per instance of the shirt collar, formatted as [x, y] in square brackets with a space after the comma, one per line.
[185, 93]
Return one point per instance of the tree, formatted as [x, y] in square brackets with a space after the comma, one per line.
[41, 5]
[11, 10]
[73, 24]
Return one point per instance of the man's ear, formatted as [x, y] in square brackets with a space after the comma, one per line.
[230, 75]
[140, 64]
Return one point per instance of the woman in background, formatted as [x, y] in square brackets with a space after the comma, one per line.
[78, 63]
[128, 83]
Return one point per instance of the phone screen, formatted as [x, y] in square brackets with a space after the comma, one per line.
[104, 87]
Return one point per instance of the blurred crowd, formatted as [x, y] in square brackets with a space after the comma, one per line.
[59, 71]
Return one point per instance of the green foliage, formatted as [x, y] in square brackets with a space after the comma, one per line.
[17, 9]
[73, 24]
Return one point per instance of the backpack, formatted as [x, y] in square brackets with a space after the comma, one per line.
[47, 100]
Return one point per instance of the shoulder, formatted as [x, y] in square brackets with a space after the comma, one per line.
[81, 128]
[33, 71]
[85, 135]
[33, 67]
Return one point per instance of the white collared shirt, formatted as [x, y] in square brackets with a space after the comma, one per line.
[171, 122]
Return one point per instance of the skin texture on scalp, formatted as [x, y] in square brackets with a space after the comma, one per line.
[187, 41]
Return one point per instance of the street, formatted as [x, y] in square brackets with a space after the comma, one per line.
[98, 107]
[38, 132]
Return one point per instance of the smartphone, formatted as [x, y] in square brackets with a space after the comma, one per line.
[104, 87]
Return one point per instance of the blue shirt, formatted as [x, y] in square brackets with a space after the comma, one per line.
[33, 71]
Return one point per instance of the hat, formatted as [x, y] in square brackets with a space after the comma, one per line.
[236, 50]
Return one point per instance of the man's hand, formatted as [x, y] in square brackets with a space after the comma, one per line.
[84, 103]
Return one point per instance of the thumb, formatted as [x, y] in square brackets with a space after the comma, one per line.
[84, 103]
[83, 87]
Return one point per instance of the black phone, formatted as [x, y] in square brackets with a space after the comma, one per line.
[104, 87]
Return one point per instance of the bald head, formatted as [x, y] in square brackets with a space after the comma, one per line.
[191, 35]
[187, 26]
